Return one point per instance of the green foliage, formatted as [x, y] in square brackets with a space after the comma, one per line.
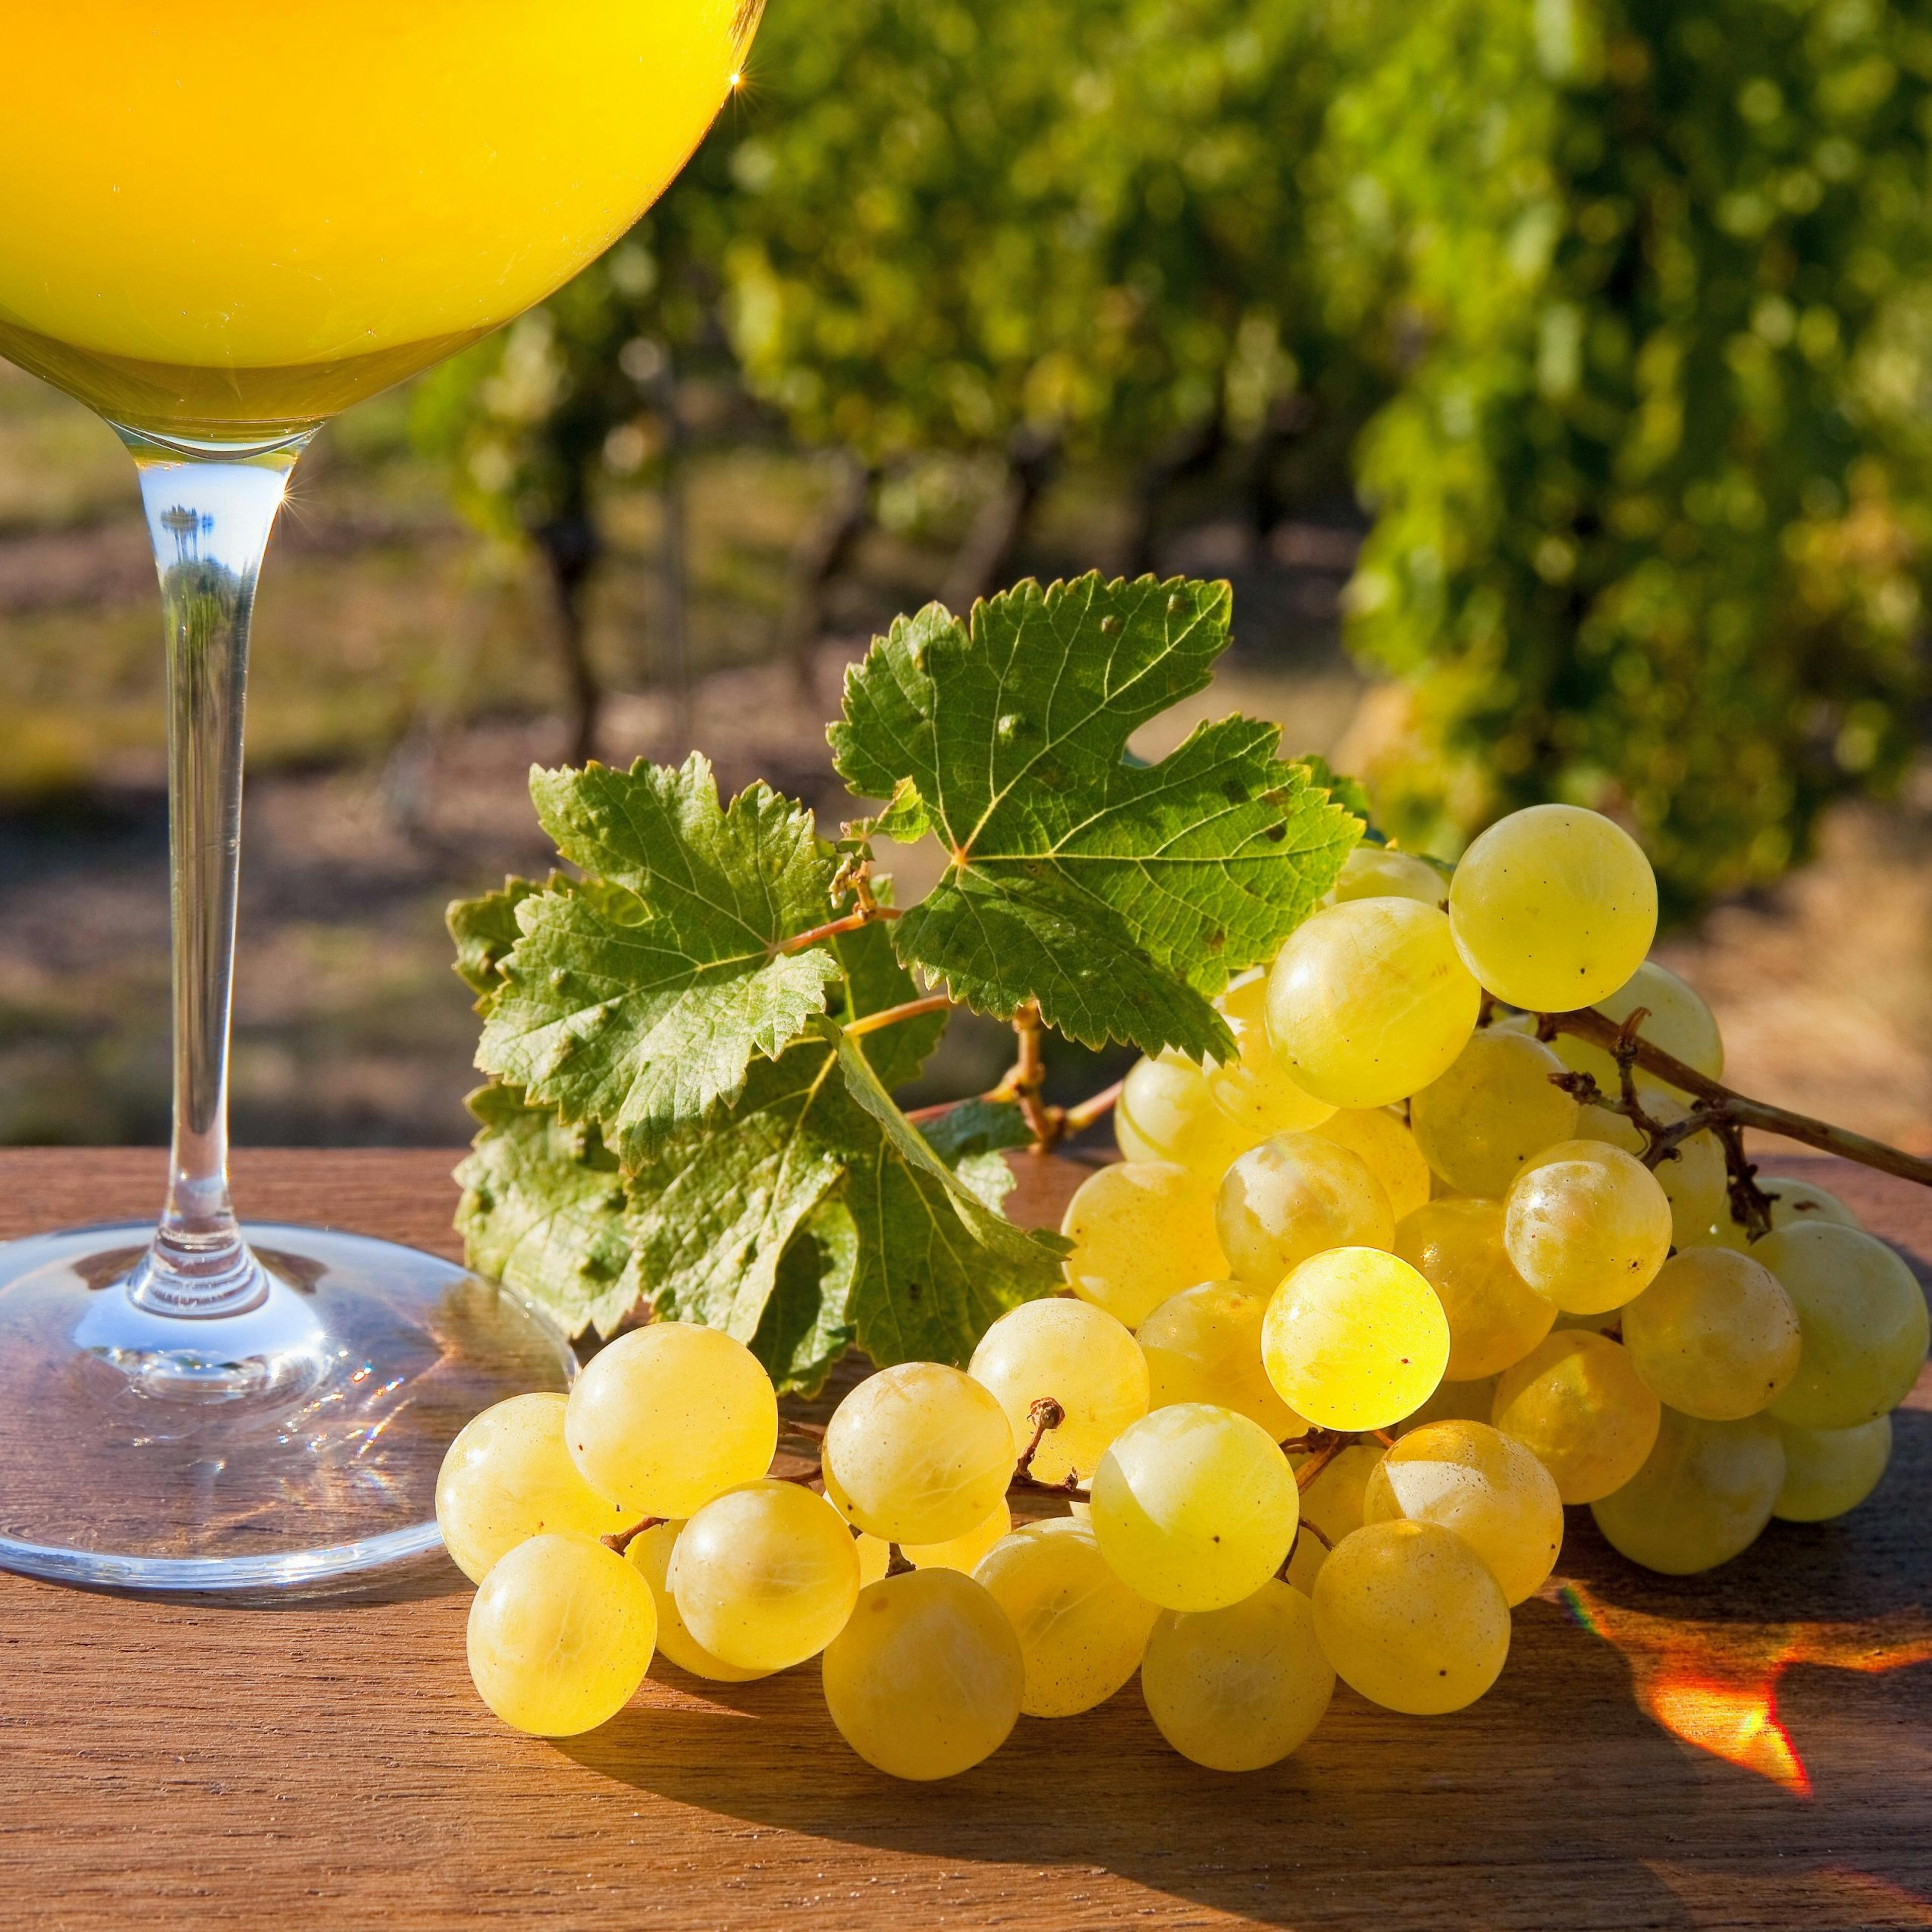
[686, 1116]
[1115, 895]
[1651, 504]
[637, 996]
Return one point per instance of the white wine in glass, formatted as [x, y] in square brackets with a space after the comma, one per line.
[223, 223]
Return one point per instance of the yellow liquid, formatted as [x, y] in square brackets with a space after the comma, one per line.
[227, 219]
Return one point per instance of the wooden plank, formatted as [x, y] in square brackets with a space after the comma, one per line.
[328, 1765]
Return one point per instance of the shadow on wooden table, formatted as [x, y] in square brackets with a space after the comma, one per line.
[1795, 1681]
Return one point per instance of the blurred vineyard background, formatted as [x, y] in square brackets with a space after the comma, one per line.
[1553, 378]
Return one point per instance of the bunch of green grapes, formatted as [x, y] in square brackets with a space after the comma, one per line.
[1361, 1311]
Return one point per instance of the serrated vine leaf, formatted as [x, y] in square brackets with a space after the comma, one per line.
[484, 929]
[718, 1211]
[1119, 896]
[543, 1212]
[636, 998]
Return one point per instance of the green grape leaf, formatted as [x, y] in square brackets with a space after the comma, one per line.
[1119, 896]
[484, 929]
[1350, 793]
[543, 1211]
[718, 1210]
[638, 997]
[807, 1323]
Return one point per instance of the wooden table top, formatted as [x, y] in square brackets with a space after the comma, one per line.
[1752, 1749]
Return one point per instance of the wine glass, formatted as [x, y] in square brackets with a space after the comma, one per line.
[224, 223]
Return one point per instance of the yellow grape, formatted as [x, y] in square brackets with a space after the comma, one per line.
[1676, 1019]
[1410, 1616]
[1332, 1503]
[1587, 1225]
[649, 1555]
[1484, 1485]
[1704, 1494]
[1828, 1471]
[1204, 1344]
[1194, 1506]
[1796, 1203]
[1576, 1401]
[1166, 1112]
[1141, 1231]
[1080, 1356]
[1294, 1196]
[1081, 1630]
[667, 1417]
[1480, 1122]
[925, 1681]
[1693, 1179]
[875, 1557]
[1496, 1318]
[560, 1634]
[1715, 1334]
[1238, 1688]
[508, 1476]
[1257, 1089]
[765, 1576]
[960, 1552]
[1553, 907]
[1863, 1320]
[919, 1452]
[1454, 1402]
[1355, 1339]
[1368, 1001]
[1387, 1148]
[1381, 872]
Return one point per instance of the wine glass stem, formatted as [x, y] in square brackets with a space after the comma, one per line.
[209, 515]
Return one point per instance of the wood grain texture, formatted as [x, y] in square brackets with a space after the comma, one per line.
[328, 1765]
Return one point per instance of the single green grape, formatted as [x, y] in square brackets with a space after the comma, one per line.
[1081, 1630]
[1166, 1112]
[1388, 1150]
[1080, 1357]
[1704, 1494]
[1693, 1176]
[1586, 1225]
[1257, 1089]
[667, 1417]
[1675, 1019]
[1204, 1344]
[1141, 1231]
[1296, 1195]
[925, 1679]
[1493, 1110]
[1794, 1204]
[960, 1552]
[1578, 1404]
[919, 1452]
[1714, 1335]
[1332, 1503]
[1354, 1339]
[649, 1554]
[1454, 1402]
[1381, 872]
[1863, 1320]
[1496, 1318]
[1828, 1471]
[765, 1576]
[1485, 1486]
[508, 1476]
[1238, 1688]
[1410, 1616]
[1553, 907]
[1194, 1506]
[1368, 1001]
[561, 1633]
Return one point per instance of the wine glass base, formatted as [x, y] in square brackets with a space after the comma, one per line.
[291, 1445]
